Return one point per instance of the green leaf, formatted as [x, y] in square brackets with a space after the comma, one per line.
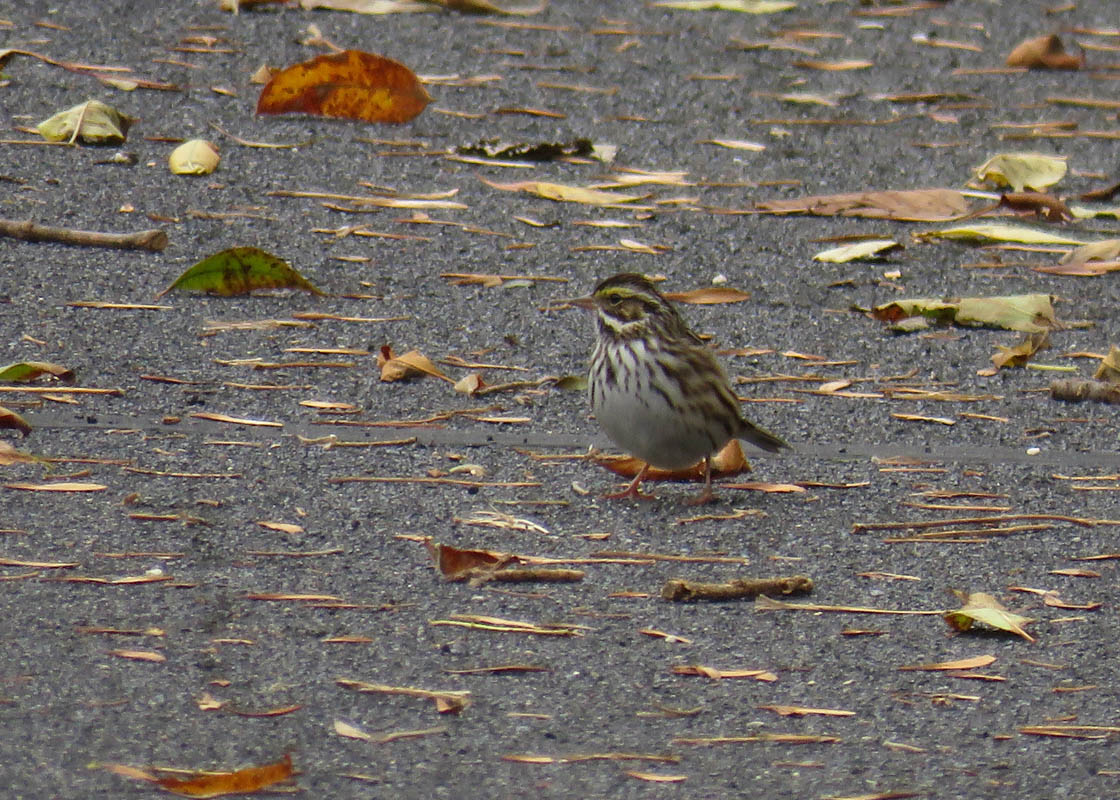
[92, 122]
[1030, 313]
[26, 371]
[985, 609]
[240, 270]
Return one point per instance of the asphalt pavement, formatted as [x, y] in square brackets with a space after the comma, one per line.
[199, 609]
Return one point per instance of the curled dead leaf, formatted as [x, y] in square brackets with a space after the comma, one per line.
[1044, 52]
[408, 365]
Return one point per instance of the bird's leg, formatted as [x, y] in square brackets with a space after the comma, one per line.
[632, 491]
[706, 496]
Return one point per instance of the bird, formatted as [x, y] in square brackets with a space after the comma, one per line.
[656, 389]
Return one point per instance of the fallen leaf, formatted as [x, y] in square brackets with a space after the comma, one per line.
[976, 662]
[1030, 313]
[194, 157]
[1044, 52]
[1105, 250]
[240, 270]
[982, 607]
[871, 248]
[408, 365]
[840, 65]
[243, 781]
[91, 122]
[709, 295]
[347, 85]
[368, 6]
[564, 193]
[996, 232]
[908, 205]
[736, 144]
[27, 371]
[1037, 171]
[11, 420]
[140, 655]
[10, 455]
[1018, 355]
[745, 6]
[456, 564]
[62, 486]
[1109, 368]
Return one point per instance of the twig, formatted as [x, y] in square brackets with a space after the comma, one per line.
[741, 588]
[29, 231]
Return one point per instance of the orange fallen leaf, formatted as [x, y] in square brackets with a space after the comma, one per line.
[347, 85]
[709, 295]
[1044, 52]
[243, 781]
[455, 563]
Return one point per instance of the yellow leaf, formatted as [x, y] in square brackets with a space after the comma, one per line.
[1035, 171]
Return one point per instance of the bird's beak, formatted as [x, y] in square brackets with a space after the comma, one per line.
[586, 303]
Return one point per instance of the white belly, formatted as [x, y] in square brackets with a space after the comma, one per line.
[638, 417]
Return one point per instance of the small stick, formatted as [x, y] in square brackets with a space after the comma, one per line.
[1074, 391]
[29, 231]
[481, 576]
[683, 591]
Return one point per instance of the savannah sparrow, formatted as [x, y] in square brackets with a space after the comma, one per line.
[657, 390]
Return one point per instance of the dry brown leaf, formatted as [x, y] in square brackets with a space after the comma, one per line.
[1044, 52]
[907, 205]
[10, 455]
[447, 702]
[720, 674]
[456, 564]
[409, 365]
[13, 421]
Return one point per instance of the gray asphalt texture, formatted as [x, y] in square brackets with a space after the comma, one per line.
[67, 703]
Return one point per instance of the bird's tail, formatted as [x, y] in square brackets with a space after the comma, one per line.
[760, 437]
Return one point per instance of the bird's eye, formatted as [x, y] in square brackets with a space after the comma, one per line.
[616, 299]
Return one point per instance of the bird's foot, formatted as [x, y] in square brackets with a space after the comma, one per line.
[631, 492]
